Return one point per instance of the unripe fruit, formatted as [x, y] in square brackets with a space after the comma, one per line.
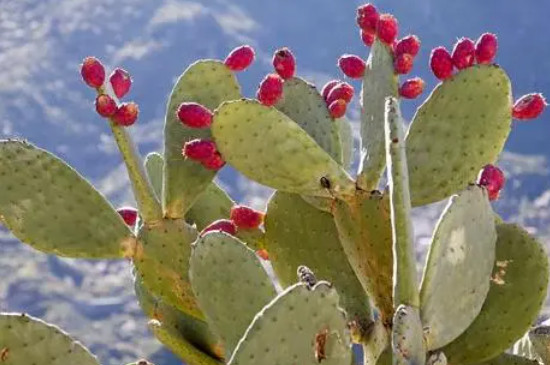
[409, 44]
[403, 64]
[221, 225]
[387, 28]
[342, 90]
[284, 63]
[240, 58]
[121, 82]
[129, 215]
[270, 90]
[245, 217]
[352, 66]
[93, 72]
[412, 88]
[464, 53]
[493, 179]
[105, 105]
[529, 106]
[194, 115]
[486, 48]
[337, 108]
[199, 149]
[441, 63]
[367, 18]
[126, 114]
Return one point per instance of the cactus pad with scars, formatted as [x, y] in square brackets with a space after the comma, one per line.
[154, 165]
[379, 82]
[517, 293]
[365, 232]
[407, 340]
[268, 147]
[303, 325]
[539, 338]
[299, 234]
[459, 266]
[48, 205]
[27, 340]
[162, 263]
[209, 83]
[461, 127]
[230, 284]
[302, 103]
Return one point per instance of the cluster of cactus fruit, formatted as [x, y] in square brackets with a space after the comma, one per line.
[341, 247]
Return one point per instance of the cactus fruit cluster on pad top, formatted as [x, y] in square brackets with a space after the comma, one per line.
[340, 243]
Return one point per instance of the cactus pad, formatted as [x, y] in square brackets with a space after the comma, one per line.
[162, 263]
[461, 127]
[26, 340]
[209, 83]
[302, 325]
[459, 266]
[407, 340]
[230, 284]
[299, 234]
[268, 147]
[507, 359]
[346, 141]
[302, 103]
[154, 164]
[212, 204]
[48, 205]
[517, 293]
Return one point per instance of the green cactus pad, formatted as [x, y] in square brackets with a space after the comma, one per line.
[185, 351]
[346, 140]
[48, 205]
[461, 127]
[154, 164]
[407, 337]
[25, 340]
[268, 147]
[230, 284]
[181, 330]
[302, 103]
[540, 341]
[212, 204]
[507, 359]
[299, 234]
[517, 293]
[365, 232]
[299, 324]
[459, 266]
[379, 82]
[162, 263]
[209, 83]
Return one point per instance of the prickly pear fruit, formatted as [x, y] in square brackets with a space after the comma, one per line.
[343, 91]
[412, 88]
[387, 28]
[367, 37]
[352, 66]
[129, 215]
[270, 90]
[126, 114]
[121, 82]
[464, 53]
[194, 115]
[337, 108]
[409, 44]
[199, 149]
[529, 106]
[245, 217]
[492, 178]
[105, 105]
[441, 63]
[486, 48]
[367, 18]
[240, 58]
[403, 64]
[223, 225]
[93, 72]
[263, 254]
[327, 88]
[215, 162]
[284, 63]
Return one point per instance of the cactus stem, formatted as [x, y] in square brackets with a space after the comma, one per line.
[405, 288]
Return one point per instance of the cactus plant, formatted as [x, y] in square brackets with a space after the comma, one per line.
[341, 244]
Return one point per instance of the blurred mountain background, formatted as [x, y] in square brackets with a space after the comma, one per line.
[42, 99]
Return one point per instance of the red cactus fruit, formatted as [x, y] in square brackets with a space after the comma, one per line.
[129, 215]
[284, 63]
[403, 63]
[199, 149]
[367, 37]
[262, 253]
[352, 66]
[388, 28]
[215, 162]
[240, 58]
[121, 82]
[412, 88]
[194, 115]
[221, 225]
[328, 88]
[342, 90]
[493, 179]
[529, 106]
[464, 53]
[367, 17]
[486, 48]
[245, 217]
[441, 63]
[337, 108]
[105, 105]
[409, 44]
[126, 114]
[93, 72]
[270, 90]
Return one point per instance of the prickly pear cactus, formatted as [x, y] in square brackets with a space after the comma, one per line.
[341, 245]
